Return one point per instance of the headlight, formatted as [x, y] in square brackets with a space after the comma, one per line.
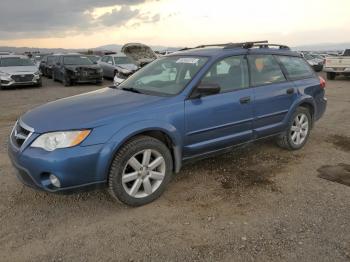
[55, 140]
[37, 73]
[3, 74]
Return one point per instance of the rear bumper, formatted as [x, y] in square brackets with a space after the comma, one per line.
[336, 70]
[321, 107]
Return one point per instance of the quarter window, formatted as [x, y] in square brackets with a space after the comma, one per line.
[264, 69]
[230, 74]
[296, 67]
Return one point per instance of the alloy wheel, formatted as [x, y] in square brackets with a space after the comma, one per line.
[143, 173]
[299, 129]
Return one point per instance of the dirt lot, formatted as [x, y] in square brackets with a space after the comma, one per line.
[259, 203]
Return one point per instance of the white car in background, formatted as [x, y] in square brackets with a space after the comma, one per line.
[16, 70]
[140, 54]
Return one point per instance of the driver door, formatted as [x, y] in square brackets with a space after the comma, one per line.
[218, 121]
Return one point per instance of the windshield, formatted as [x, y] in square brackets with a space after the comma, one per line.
[123, 60]
[15, 61]
[308, 57]
[165, 76]
[76, 60]
[94, 58]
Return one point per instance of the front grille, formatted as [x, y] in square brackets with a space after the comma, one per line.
[20, 134]
[88, 72]
[22, 78]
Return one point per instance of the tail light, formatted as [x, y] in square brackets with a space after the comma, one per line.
[322, 82]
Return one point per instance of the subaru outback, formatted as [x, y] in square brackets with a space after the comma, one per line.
[184, 106]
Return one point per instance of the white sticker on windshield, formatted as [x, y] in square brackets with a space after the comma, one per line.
[187, 60]
[83, 57]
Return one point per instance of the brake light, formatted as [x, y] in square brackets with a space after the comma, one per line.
[322, 82]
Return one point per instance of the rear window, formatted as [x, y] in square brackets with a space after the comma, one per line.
[296, 67]
[264, 69]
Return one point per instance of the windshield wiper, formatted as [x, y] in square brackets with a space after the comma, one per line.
[131, 89]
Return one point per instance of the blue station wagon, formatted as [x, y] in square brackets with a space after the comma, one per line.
[188, 105]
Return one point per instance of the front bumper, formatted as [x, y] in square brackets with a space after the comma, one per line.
[8, 81]
[77, 167]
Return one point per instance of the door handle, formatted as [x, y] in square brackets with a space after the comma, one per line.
[290, 91]
[244, 100]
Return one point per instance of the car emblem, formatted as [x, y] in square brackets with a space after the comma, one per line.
[23, 75]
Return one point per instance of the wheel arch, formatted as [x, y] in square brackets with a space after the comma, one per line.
[167, 135]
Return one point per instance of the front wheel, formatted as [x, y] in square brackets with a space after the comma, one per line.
[67, 81]
[140, 171]
[298, 131]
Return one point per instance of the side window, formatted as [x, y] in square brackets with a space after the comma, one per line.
[104, 59]
[264, 69]
[230, 74]
[110, 60]
[296, 67]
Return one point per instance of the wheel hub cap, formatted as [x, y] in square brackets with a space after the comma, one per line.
[143, 173]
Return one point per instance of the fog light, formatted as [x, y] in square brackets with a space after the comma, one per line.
[55, 181]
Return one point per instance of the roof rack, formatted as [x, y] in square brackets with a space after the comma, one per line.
[246, 45]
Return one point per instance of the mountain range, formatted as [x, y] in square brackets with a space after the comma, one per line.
[117, 47]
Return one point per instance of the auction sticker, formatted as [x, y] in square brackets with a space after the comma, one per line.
[187, 60]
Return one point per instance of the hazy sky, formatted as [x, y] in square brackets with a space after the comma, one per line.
[92, 23]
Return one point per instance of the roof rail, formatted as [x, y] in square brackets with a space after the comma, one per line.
[246, 45]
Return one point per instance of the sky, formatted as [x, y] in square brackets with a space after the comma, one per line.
[92, 23]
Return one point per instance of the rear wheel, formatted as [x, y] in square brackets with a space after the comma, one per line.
[295, 137]
[331, 76]
[140, 171]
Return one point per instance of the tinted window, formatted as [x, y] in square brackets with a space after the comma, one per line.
[264, 69]
[76, 60]
[230, 73]
[122, 60]
[296, 67]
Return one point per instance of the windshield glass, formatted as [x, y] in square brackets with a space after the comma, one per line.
[76, 60]
[15, 61]
[94, 58]
[165, 76]
[308, 57]
[122, 60]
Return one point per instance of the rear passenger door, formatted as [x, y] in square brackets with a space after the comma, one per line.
[273, 94]
[217, 121]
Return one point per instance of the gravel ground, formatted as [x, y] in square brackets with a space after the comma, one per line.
[258, 203]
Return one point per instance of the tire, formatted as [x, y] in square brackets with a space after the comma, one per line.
[331, 76]
[156, 178]
[297, 133]
[53, 76]
[40, 84]
[66, 81]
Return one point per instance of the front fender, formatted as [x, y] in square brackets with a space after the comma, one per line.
[133, 129]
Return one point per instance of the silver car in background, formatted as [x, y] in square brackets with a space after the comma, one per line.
[16, 70]
[113, 64]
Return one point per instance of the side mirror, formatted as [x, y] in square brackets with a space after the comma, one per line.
[205, 89]
[95, 62]
[58, 63]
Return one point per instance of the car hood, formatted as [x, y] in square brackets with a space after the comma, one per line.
[19, 69]
[140, 53]
[74, 67]
[87, 110]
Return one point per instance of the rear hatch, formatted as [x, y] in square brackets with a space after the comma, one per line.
[140, 53]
